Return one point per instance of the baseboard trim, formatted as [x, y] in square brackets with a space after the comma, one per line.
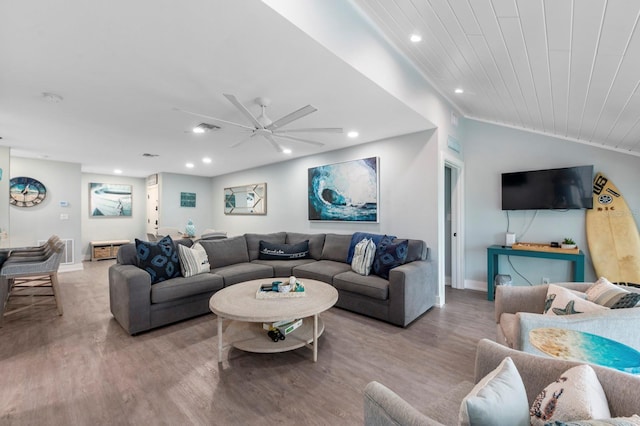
[71, 267]
[475, 285]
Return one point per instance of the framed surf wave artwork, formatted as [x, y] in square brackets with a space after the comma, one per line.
[344, 192]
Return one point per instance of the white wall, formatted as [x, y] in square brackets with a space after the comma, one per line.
[408, 187]
[30, 224]
[4, 189]
[172, 215]
[113, 228]
[491, 150]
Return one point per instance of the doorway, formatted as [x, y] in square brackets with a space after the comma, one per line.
[454, 223]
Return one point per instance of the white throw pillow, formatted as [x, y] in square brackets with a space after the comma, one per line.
[576, 395]
[562, 301]
[194, 260]
[605, 293]
[363, 254]
[498, 399]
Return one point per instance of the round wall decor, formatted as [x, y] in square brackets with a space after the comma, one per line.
[26, 191]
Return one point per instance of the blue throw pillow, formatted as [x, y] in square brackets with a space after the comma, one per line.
[389, 255]
[359, 236]
[159, 259]
[272, 251]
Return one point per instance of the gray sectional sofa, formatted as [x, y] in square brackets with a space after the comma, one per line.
[138, 305]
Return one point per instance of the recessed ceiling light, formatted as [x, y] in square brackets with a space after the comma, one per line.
[353, 134]
[190, 165]
[206, 160]
[416, 38]
[459, 90]
[286, 151]
[198, 130]
[117, 171]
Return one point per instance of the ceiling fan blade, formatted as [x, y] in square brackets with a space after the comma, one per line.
[292, 117]
[214, 119]
[244, 110]
[273, 142]
[241, 141]
[312, 129]
[299, 139]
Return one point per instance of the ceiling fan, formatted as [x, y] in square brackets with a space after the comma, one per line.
[265, 127]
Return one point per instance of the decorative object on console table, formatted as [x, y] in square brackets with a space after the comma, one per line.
[190, 229]
[568, 244]
[109, 200]
[344, 192]
[187, 199]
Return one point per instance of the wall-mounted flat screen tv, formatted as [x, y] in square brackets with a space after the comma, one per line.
[562, 189]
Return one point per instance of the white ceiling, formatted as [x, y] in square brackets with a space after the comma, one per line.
[122, 67]
[560, 67]
[569, 68]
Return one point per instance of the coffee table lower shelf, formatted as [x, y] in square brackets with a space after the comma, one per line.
[251, 337]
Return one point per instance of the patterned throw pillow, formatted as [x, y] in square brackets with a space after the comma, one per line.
[272, 251]
[576, 395]
[616, 421]
[562, 301]
[498, 399]
[363, 255]
[605, 293]
[194, 260]
[159, 259]
[389, 256]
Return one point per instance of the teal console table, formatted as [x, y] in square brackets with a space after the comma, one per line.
[493, 252]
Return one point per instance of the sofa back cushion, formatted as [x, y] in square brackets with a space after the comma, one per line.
[316, 242]
[336, 247]
[253, 242]
[417, 250]
[227, 251]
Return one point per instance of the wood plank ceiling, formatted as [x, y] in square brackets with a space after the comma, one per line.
[567, 68]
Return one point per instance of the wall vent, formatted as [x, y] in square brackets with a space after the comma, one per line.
[67, 253]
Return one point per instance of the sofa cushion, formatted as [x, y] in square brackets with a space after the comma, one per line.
[227, 251]
[193, 260]
[576, 395]
[239, 272]
[562, 301]
[269, 251]
[370, 286]
[322, 270]
[159, 259]
[336, 247]
[180, 287]
[389, 255]
[498, 399]
[359, 236]
[253, 242]
[363, 255]
[283, 268]
[316, 242]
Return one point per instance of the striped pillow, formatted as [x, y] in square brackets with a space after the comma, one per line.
[604, 293]
[194, 260]
[363, 254]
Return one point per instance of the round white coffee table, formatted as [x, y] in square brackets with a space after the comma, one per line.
[239, 303]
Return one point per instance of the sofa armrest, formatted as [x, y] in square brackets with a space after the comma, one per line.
[613, 324]
[382, 406]
[412, 291]
[130, 297]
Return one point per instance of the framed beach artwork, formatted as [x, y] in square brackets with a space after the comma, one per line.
[187, 199]
[109, 200]
[344, 192]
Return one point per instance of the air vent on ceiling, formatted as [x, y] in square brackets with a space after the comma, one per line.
[205, 127]
[146, 154]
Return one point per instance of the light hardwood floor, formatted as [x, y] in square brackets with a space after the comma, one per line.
[83, 369]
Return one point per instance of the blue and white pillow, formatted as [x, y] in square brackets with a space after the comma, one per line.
[194, 260]
[389, 255]
[363, 255]
[159, 259]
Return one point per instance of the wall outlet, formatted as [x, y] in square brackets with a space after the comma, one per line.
[545, 280]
